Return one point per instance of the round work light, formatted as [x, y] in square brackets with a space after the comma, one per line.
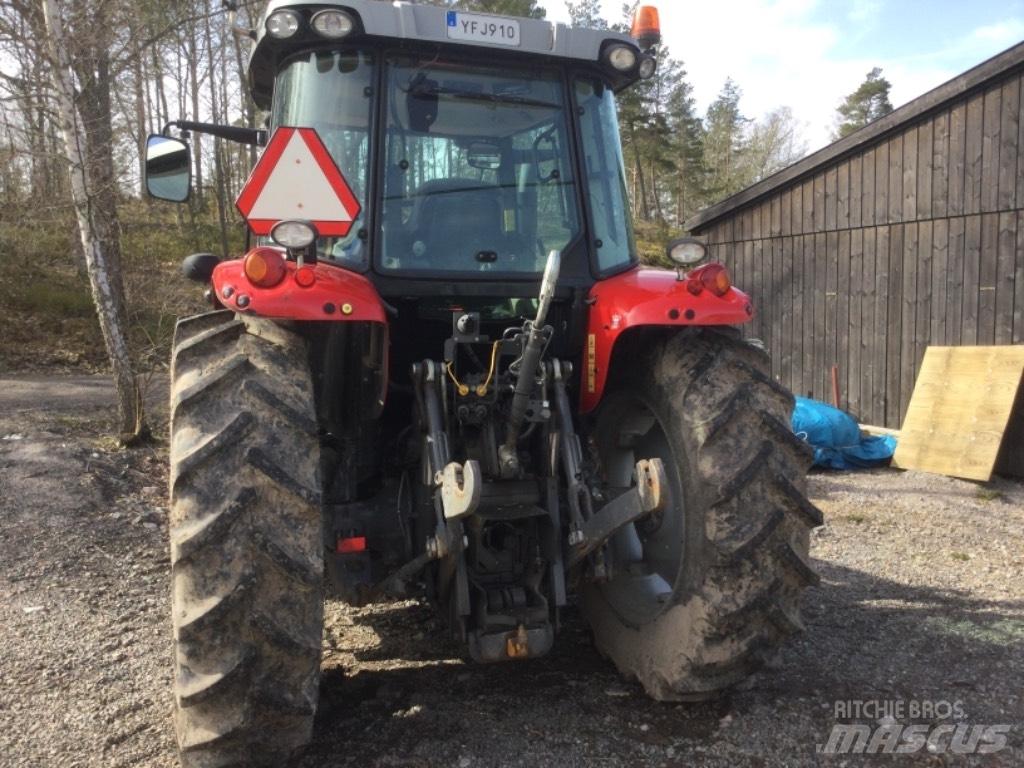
[283, 24]
[622, 57]
[648, 67]
[333, 24]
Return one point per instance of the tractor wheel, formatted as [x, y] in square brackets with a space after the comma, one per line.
[702, 593]
[246, 541]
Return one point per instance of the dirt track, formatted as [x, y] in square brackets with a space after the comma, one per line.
[922, 599]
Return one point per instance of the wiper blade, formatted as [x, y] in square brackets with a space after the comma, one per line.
[494, 98]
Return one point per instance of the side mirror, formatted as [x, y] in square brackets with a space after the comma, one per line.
[168, 169]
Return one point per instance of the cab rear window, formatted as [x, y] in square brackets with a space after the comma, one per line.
[478, 170]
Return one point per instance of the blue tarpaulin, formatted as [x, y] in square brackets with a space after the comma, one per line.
[836, 438]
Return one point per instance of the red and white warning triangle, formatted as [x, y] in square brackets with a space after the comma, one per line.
[296, 178]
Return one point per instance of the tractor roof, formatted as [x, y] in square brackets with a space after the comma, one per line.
[404, 21]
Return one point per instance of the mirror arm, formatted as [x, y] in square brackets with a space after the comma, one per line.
[249, 136]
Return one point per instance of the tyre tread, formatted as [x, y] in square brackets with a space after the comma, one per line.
[246, 541]
[749, 469]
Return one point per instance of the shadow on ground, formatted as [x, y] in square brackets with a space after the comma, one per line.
[867, 638]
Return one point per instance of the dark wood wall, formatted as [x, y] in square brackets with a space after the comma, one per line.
[916, 240]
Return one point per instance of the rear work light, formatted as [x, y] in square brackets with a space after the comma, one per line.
[711, 277]
[264, 267]
[333, 24]
[294, 234]
[622, 57]
[283, 24]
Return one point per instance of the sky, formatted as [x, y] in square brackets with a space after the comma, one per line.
[808, 54]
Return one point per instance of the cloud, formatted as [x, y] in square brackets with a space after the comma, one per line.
[864, 13]
[775, 55]
[775, 50]
[808, 54]
[1006, 32]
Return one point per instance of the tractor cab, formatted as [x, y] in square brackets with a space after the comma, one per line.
[474, 144]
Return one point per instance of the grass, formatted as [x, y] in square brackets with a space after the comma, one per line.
[72, 423]
[963, 557]
[988, 494]
[107, 444]
[49, 320]
[855, 518]
[46, 302]
[48, 297]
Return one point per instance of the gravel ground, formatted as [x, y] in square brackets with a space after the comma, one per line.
[921, 600]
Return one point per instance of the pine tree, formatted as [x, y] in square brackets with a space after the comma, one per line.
[724, 143]
[586, 14]
[868, 103]
[686, 136]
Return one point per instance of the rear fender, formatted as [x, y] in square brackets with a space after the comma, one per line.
[647, 297]
[336, 294]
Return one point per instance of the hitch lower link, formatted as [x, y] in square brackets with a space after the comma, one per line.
[646, 498]
[460, 488]
[591, 529]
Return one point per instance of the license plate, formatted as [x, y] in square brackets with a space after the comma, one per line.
[482, 29]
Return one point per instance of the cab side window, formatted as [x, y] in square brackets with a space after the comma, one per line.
[606, 175]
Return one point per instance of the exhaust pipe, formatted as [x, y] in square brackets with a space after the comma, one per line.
[538, 336]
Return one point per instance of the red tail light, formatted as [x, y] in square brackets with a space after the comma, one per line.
[713, 277]
[305, 276]
[264, 267]
[351, 545]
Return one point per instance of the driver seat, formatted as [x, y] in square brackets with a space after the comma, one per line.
[455, 219]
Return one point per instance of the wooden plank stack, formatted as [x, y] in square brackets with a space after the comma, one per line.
[966, 414]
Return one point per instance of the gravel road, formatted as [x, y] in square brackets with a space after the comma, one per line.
[921, 605]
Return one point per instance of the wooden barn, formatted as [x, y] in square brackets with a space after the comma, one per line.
[905, 234]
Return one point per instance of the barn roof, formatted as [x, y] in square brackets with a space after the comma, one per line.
[1004, 63]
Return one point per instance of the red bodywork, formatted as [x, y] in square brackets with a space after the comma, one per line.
[647, 297]
[640, 297]
[337, 294]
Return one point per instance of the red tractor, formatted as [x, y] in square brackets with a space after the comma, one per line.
[440, 370]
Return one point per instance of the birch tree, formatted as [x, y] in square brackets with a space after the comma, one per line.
[99, 237]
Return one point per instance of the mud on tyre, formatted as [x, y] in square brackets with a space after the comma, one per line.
[702, 594]
[247, 560]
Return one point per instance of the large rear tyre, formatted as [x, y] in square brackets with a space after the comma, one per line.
[701, 594]
[246, 550]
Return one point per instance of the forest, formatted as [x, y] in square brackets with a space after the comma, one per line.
[82, 85]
